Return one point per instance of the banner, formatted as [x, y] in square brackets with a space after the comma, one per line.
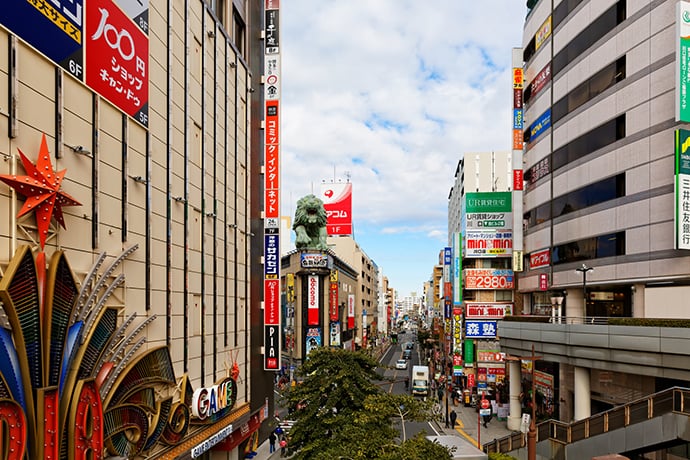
[337, 201]
[313, 300]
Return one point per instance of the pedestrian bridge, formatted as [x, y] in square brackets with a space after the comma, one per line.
[655, 422]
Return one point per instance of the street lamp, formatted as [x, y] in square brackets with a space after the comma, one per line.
[584, 269]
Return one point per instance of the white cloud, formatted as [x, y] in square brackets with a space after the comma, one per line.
[393, 92]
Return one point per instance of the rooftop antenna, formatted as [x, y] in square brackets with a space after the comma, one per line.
[348, 174]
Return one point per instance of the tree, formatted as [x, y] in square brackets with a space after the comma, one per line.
[339, 412]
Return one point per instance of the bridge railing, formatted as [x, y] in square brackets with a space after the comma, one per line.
[673, 400]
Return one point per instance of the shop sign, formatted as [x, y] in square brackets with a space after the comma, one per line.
[212, 441]
[540, 259]
[214, 400]
[488, 278]
[480, 329]
[488, 310]
[540, 126]
[313, 260]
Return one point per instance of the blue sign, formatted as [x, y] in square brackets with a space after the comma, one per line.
[518, 121]
[271, 255]
[480, 329]
[53, 28]
[538, 128]
[447, 256]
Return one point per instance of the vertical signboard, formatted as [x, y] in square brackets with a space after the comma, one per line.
[333, 297]
[272, 180]
[55, 29]
[351, 311]
[682, 189]
[117, 58]
[682, 61]
[313, 300]
[457, 269]
[447, 287]
[337, 201]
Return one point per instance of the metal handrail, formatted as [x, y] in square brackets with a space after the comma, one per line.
[673, 400]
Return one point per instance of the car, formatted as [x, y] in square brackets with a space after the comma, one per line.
[407, 354]
[409, 346]
[401, 364]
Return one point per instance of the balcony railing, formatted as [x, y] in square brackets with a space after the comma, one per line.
[674, 400]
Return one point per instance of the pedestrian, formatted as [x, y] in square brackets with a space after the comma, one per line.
[283, 446]
[487, 418]
[440, 393]
[272, 442]
[453, 418]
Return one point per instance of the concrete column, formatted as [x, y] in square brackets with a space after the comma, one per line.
[515, 377]
[575, 303]
[638, 307]
[583, 395]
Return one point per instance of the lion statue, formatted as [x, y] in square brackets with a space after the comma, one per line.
[310, 224]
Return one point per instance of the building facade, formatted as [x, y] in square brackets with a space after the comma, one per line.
[125, 243]
[599, 221]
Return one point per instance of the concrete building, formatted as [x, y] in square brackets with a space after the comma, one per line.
[600, 95]
[367, 296]
[126, 264]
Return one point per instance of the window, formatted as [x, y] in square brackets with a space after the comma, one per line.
[589, 195]
[596, 247]
[238, 32]
[589, 36]
[504, 296]
[588, 90]
[601, 136]
[563, 10]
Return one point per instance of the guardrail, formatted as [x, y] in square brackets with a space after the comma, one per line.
[674, 400]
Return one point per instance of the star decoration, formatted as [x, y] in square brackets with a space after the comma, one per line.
[41, 187]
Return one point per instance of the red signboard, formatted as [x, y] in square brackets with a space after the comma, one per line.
[540, 259]
[487, 278]
[337, 201]
[271, 161]
[333, 302]
[470, 380]
[350, 311]
[517, 179]
[271, 301]
[543, 281]
[313, 300]
[117, 59]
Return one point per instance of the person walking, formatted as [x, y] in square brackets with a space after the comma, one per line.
[272, 442]
[283, 446]
[453, 418]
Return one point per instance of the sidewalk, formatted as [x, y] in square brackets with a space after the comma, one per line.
[468, 426]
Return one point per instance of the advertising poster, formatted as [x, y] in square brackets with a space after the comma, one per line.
[335, 334]
[117, 59]
[55, 29]
[313, 339]
[351, 311]
[337, 201]
[489, 243]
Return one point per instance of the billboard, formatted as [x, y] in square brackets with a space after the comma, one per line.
[117, 59]
[488, 310]
[489, 243]
[682, 190]
[337, 201]
[271, 206]
[55, 29]
[313, 300]
[480, 329]
[489, 278]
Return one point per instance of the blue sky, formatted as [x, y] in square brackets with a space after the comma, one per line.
[391, 94]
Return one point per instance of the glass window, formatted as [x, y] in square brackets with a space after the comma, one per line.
[590, 35]
[596, 247]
